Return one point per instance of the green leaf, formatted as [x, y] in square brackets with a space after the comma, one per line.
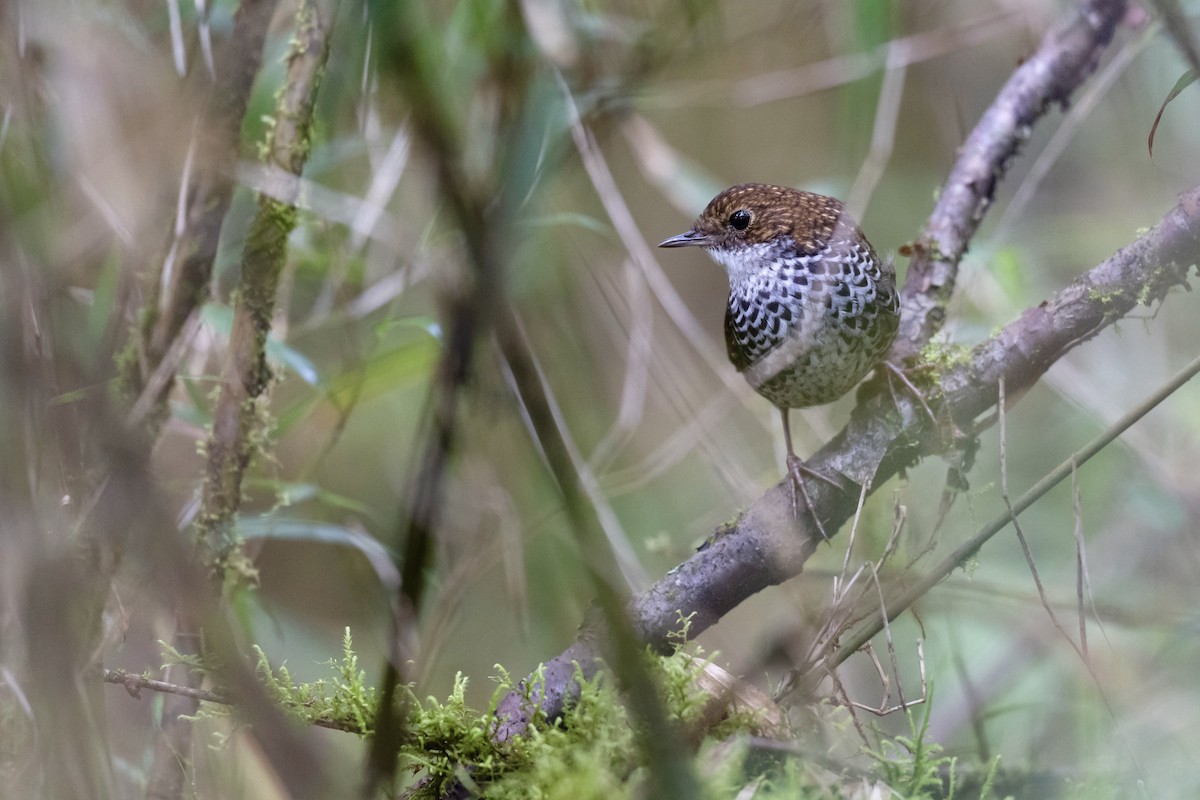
[422, 322]
[1185, 80]
[271, 526]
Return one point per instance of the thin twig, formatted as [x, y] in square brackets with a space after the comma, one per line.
[887, 633]
[839, 582]
[964, 552]
[1081, 582]
[185, 286]
[1037, 580]
[164, 373]
[135, 683]
[1083, 589]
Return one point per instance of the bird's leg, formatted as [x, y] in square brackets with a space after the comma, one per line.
[796, 470]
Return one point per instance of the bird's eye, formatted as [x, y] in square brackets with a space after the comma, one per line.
[740, 219]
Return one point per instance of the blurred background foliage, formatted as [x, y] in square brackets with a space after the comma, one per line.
[635, 113]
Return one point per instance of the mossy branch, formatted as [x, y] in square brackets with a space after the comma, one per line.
[344, 704]
[237, 425]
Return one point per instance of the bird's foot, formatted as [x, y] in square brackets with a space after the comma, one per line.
[796, 471]
[894, 373]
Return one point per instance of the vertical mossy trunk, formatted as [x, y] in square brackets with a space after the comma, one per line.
[238, 427]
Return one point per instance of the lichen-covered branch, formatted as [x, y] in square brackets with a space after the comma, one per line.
[246, 374]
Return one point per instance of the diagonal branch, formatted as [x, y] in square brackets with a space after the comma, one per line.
[1068, 55]
[762, 548]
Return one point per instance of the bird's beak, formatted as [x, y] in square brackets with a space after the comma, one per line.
[689, 239]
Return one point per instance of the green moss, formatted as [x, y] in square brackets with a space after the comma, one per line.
[722, 530]
[935, 359]
[910, 764]
[1106, 297]
[1144, 296]
[593, 751]
[941, 356]
[128, 369]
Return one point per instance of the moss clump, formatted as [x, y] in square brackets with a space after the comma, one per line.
[938, 357]
[592, 752]
[1106, 297]
[345, 701]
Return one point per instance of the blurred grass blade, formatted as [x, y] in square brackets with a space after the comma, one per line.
[584, 221]
[423, 322]
[1176, 22]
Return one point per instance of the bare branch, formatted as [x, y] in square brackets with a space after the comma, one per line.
[1067, 57]
[135, 683]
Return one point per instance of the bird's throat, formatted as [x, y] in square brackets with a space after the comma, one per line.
[750, 264]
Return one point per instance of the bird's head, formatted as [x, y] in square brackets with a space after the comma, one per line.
[752, 222]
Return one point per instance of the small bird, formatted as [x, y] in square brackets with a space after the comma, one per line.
[812, 309]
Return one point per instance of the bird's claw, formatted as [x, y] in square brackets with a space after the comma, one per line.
[796, 470]
[895, 372]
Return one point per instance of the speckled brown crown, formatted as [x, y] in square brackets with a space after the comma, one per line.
[809, 219]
